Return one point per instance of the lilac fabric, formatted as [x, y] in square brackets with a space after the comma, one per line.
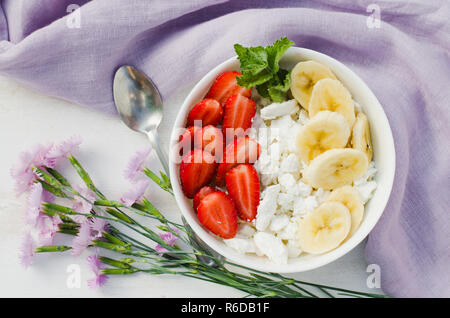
[405, 62]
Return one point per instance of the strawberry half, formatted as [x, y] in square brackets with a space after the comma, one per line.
[196, 170]
[210, 139]
[186, 141]
[242, 150]
[218, 214]
[243, 187]
[226, 85]
[238, 114]
[203, 192]
[209, 111]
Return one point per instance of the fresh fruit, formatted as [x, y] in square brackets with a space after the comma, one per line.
[186, 141]
[196, 170]
[203, 192]
[335, 168]
[207, 112]
[330, 94]
[350, 197]
[326, 130]
[242, 150]
[361, 136]
[210, 139]
[324, 228]
[238, 114]
[226, 85]
[217, 213]
[303, 78]
[243, 187]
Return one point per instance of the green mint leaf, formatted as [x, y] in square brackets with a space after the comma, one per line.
[278, 92]
[263, 90]
[260, 68]
[276, 51]
[248, 80]
[254, 65]
[253, 59]
[276, 89]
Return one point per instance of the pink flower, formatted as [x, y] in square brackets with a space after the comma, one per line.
[136, 163]
[97, 281]
[47, 196]
[40, 156]
[98, 225]
[48, 226]
[34, 204]
[82, 240]
[96, 266]
[65, 148]
[27, 250]
[169, 238]
[81, 205]
[136, 193]
[79, 218]
[22, 172]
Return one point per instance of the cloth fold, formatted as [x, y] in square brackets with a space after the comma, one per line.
[400, 48]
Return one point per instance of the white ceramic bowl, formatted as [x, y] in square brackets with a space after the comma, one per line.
[384, 156]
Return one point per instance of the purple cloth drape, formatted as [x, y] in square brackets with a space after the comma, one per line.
[405, 61]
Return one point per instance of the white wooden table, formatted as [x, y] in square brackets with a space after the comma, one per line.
[26, 118]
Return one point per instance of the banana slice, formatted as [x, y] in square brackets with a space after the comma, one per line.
[327, 130]
[361, 135]
[303, 78]
[330, 94]
[335, 168]
[325, 228]
[350, 197]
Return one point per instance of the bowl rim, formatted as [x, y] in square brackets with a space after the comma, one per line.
[316, 261]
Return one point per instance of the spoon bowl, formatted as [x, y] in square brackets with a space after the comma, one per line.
[137, 99]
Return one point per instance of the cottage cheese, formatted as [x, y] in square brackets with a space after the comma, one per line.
[285, 198]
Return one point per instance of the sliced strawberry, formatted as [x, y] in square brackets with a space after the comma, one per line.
[226, 85]
[203, 192]
[186, 141]
[243, 187]
[209, 138]
[238, 114]
[207, 112]
[196, 170]
[218, 214]
[242, 150]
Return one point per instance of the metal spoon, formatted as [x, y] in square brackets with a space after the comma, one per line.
[141, 108]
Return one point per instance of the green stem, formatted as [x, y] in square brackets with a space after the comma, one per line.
[113, 262]
[119, 271]
[85, 176]
[174, 261]
[52, 248]
[113, 247]
[67, 231]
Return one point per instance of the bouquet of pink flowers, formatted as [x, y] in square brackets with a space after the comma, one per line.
[56, 207]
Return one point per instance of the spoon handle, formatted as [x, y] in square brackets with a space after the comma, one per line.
[154, 141]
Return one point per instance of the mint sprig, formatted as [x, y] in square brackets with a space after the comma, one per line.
[260, 68]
